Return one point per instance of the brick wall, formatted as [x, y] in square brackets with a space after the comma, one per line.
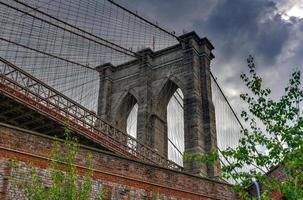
[277, 173]
[125, 178]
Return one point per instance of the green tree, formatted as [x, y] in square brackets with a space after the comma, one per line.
[65, 183]
[274, 138]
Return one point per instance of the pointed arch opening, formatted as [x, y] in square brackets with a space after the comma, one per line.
[175, 127]
[171, 101]
[126, 117]
[131, 122]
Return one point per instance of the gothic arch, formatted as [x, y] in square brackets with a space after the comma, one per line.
[155, 76]
[166, 105]
[174, 80]
[123, 109]
[179, 83]
[165, 94]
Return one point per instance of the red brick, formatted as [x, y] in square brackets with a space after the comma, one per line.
[115, 172]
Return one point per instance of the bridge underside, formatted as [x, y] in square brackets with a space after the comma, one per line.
[17, 114]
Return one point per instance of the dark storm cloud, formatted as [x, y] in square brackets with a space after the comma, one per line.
[176, 14]
[271, 38]
[246, 26]
[237, 16]
[237, 28]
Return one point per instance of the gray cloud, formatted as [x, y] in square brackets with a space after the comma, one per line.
[238, 28]
[248, 27]
[176, 14]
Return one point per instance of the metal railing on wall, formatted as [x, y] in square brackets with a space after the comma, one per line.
[22, 86]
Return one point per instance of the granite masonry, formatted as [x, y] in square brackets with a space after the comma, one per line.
[150, 82]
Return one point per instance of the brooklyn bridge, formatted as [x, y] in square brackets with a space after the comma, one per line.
[135, 94]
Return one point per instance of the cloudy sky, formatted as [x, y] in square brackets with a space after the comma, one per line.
[270, 30]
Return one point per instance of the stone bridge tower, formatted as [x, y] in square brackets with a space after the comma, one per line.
[150, 82]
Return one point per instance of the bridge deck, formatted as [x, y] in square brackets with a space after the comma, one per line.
[36, 95]
[17, 114]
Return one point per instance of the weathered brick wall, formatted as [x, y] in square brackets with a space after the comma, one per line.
[113, 190]
[279, 174]
[125, 178]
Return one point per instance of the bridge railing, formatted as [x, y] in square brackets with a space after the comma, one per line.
[24, 87]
